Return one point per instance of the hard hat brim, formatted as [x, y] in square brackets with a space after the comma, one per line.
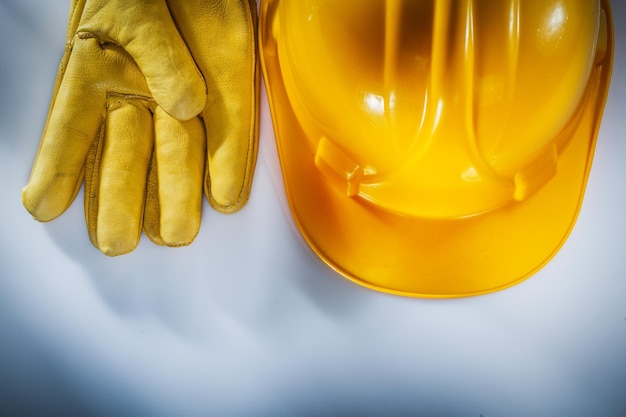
[431, 257]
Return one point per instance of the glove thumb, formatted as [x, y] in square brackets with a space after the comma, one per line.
[147, 32]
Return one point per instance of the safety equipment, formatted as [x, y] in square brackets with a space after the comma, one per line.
[436, 148]
[154, 99]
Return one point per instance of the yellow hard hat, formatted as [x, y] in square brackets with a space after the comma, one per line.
[436, 148]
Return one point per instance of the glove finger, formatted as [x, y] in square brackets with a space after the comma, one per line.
[174, 202]
[76, 113]
[126, 153]
[147, 32]
[229, 65]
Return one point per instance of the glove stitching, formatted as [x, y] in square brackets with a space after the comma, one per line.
[113, 94]
[102, 41]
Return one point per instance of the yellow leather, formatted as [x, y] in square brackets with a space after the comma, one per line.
[154, 101]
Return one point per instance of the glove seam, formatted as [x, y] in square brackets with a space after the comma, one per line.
[83, 34]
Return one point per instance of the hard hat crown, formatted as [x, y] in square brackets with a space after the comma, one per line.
[439, 109]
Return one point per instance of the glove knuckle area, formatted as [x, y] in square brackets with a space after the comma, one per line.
[104, 67]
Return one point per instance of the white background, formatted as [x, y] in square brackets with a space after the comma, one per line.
[247, 322]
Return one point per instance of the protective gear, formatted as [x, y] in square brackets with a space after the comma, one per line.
[436, 148]
[147, 92]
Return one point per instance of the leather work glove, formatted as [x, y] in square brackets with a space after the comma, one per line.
[154, 101]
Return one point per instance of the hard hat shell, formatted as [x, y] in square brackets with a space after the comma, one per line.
[436, 148]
